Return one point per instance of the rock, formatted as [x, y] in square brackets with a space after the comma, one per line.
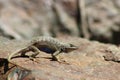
[86, 63]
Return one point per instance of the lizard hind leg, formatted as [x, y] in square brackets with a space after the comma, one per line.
[36, 52]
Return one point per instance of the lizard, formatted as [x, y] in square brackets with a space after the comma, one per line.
[44, 43]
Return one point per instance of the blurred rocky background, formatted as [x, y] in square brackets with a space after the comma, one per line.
[68, 21]
[91, 19]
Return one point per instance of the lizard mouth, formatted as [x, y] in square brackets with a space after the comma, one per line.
[71, 49]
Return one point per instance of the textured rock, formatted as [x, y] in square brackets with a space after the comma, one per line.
[86, 63]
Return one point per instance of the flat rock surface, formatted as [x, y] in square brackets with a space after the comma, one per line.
[86, 63]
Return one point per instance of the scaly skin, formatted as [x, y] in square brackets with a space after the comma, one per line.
[47, 42]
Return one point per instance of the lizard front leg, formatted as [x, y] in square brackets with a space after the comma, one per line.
[54, 55]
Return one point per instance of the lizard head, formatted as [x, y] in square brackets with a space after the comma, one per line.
[69, 48]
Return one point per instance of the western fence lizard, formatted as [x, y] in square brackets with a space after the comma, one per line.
[47, 44]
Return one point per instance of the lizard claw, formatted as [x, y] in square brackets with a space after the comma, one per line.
[54, 58]
[63, 62]
[32, 58]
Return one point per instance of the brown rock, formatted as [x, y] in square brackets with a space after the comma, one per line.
[86, 63]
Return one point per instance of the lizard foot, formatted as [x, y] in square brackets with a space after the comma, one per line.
[32, 58]
[54, 58]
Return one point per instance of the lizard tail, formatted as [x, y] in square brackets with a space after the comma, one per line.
[10, 56]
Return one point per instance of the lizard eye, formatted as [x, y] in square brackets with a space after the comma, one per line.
[71, 45]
